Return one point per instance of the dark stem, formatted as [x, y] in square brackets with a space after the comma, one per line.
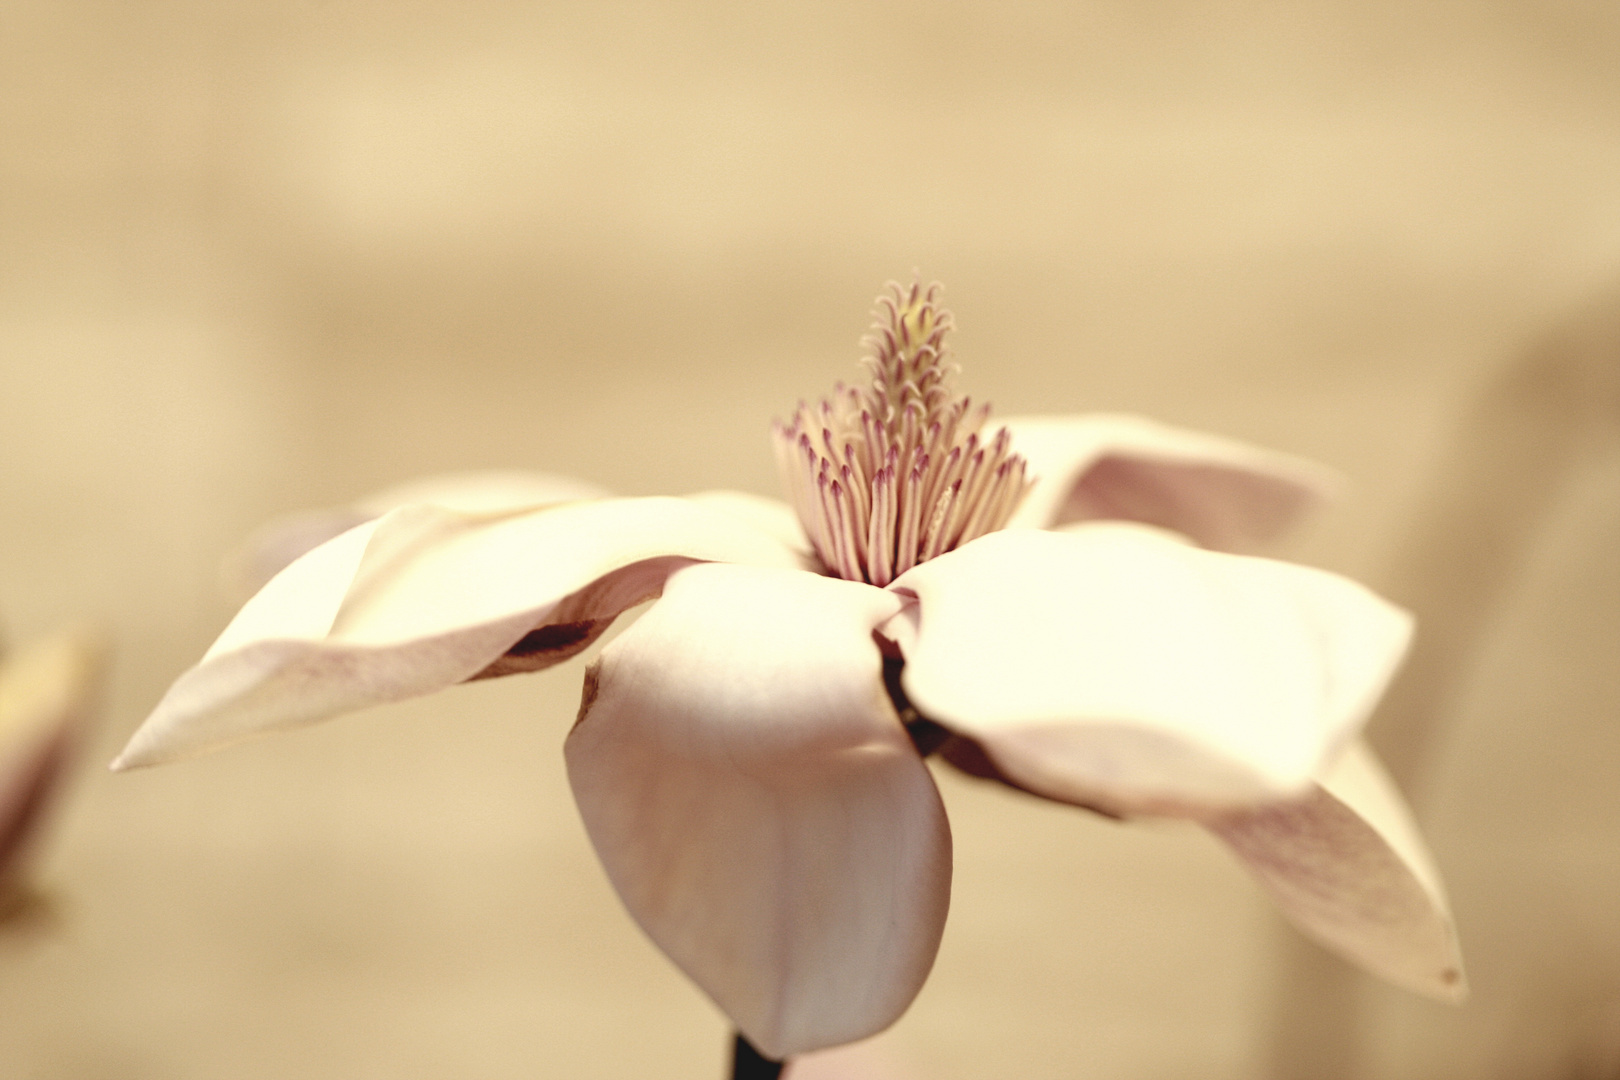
[749, 1064]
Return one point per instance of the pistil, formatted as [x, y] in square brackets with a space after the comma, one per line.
[895, 473]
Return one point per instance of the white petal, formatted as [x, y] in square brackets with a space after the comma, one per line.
[1224, 494]
[1347, 866]
[772, 516]
[274, 545]
[425, 597]
[1117, 666]
[47, 692]
[759, 807]
[277, 543]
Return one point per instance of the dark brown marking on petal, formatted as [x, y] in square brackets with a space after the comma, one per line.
[581, 617]
[968, 756]
[551, 638]
[588, 692]
[960, 751]
[892, 667]
[926, 735]
[544, 647]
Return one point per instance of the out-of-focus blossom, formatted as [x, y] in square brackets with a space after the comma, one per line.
[48, 691]
[1057, 607]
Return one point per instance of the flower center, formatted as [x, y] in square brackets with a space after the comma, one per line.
[887, 476]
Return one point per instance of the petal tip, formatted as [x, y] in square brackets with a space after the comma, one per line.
[1445, 983]
[139, 753]
[1453, 988]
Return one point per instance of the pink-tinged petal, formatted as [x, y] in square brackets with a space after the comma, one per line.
[426, 597]
[860, 1061]
[1225, 494]
[1347, 866]
[277, 543]
[47, 693]
[759, 807]
[1117, 666]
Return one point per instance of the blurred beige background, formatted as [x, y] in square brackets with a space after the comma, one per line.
[257, 257]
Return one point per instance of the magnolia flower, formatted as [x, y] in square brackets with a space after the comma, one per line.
[47, 690]
[1057, 606]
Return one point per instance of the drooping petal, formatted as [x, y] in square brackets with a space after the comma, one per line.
[1225, 494]
[1346, 864]
[759, 807]
[426, 597]
[47, 692]
[1116, 666]
[278, 542]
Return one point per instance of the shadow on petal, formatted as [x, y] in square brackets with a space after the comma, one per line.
[1225, 494]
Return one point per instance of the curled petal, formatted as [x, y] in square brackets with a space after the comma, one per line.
[1347, 866]
[426, 597]
[273, 546]
[277, 543]
[46, 695]
[1226, 495]
[759, 807]
[1119, 667]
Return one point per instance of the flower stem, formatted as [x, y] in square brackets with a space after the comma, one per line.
[749, 1064]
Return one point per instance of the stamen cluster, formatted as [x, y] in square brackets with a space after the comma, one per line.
[890, 475]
